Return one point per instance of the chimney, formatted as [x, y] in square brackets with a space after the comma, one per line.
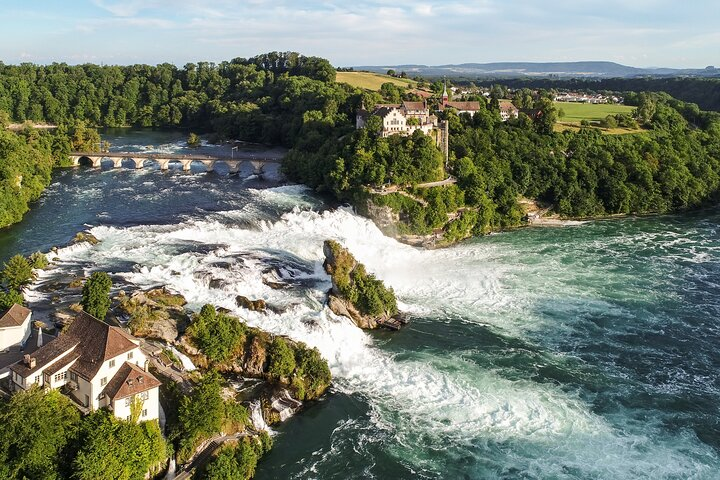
[29, 361]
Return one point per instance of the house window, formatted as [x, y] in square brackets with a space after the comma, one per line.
[128, 401]
[37, 378]
[144, 413]
[112, 363]
[130, 355]
[144, 395]
[103, 381]
[60, 376]
[73, 376]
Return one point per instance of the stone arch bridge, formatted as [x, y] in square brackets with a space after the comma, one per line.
[163, 160]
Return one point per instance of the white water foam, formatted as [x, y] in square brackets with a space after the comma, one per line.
[443, 400]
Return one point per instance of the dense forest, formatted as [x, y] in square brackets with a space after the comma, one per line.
[266, 98]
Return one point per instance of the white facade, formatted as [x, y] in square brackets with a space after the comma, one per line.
[149, 410]
[12, 335]
[80, 360]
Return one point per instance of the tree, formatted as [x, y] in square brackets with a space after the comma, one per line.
[193, 140]
[17, 272]
[38, 260]
[201, 414]
[113, 449]
[10, 298]
[281, 361]
[38, 427]
[96, 295]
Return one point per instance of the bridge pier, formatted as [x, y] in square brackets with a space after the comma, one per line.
[186, 165]
[209, 165]
[258, 166]
[164, 163]
[233, 166]
[139, 162]
[117, 162]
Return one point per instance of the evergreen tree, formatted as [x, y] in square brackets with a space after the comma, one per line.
[17, 272]
[96, 295]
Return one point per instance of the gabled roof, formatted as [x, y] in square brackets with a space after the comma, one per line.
[414, 105]
[462, 106]
[14, 317]
[506, 105]
[98, 342]
[129, 380]
[93, 341]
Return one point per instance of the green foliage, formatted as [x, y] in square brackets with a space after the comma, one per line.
[201, 415]
[281, 361]
[38, 260]
[312, 374]
[234, 462]
[17, 272]
[368, 294]
[112, 449]
[218, 335]
[96, 295]
[193, 140]
[10, 298]
[38, 428]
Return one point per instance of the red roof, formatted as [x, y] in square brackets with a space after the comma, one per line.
[129, 380]
[14, 317]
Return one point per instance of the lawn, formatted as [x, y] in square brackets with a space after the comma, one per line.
[575, 112]
[371, 81]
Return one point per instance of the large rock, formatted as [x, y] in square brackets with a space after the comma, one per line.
[355, 293]
[256, 358]
[252, 305]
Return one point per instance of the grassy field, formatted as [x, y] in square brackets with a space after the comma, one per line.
[575, 112]
[371, 81]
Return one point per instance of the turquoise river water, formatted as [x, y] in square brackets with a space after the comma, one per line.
[578, 352]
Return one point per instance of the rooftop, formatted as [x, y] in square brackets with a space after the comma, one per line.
[129, 380]
[93, 340]
[14, 317]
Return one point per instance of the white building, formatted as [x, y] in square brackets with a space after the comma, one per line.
[508, 110]
[395, 118]
[99, 366]
[15, 327]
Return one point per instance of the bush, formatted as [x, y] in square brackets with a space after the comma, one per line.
[38, 260]
[219, 336]
[281, 361]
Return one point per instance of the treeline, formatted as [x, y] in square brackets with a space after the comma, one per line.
[27, 159]
[44, 436]
[266, 98]
[705, 92]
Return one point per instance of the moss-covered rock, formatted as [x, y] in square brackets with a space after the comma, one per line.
[355, 293]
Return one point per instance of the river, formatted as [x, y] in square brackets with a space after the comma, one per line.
[579, 352]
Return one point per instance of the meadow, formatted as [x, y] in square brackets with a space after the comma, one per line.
[371, 81]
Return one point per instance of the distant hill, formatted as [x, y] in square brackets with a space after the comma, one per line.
[533, 69]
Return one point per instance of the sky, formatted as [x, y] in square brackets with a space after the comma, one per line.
[640, 33]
